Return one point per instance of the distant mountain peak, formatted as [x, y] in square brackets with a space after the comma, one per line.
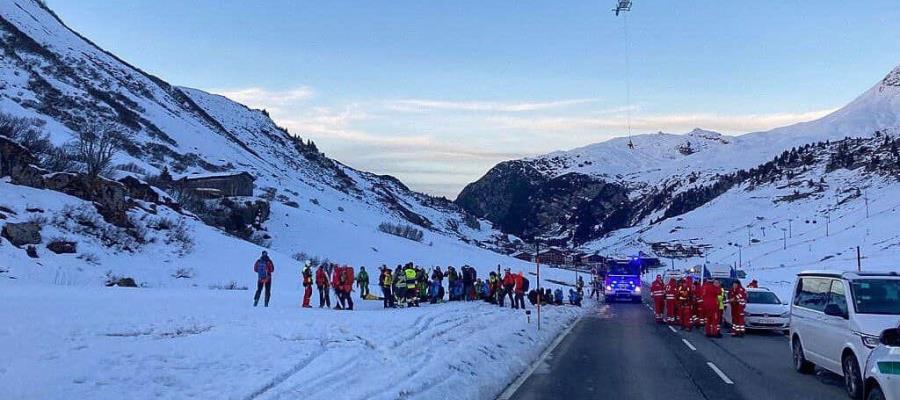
[892, 78]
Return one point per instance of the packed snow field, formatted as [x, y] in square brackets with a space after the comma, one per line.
[183, 343]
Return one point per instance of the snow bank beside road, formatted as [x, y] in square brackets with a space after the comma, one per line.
[64, 342]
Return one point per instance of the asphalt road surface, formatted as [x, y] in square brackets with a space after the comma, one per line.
[619, 352]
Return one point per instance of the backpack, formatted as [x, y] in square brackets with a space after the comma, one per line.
[525, 284]
[261, 269]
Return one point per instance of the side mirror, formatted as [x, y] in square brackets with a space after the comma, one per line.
[835, 311]
[890, 337]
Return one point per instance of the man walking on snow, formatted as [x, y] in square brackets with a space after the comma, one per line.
[307, 284]
[509, 283]
[264, 269]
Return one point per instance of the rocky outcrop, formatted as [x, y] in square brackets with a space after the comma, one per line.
[110, 197]
[238, 216]
[140, 190]
[19, 164]
[523, 201]
[21, 234]
[62, 247]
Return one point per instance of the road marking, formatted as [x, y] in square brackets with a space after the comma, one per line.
[720, 373]
[689, 345]
[673, 329]
[512, 388]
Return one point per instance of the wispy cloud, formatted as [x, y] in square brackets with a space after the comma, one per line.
[727, 123]
[423, 105]
[271, 100]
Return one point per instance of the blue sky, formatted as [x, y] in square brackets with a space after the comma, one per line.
[435, 92]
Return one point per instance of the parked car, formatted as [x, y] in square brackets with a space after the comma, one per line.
[883, 368]
[837, 319]
[764, 311]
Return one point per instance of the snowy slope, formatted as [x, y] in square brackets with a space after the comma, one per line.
[804, 217]
[52, 73]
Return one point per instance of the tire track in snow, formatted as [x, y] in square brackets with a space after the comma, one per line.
[284, 376]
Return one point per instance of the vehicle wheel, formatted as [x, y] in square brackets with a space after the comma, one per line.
[800, 364]
[852, 377]
[876, 394]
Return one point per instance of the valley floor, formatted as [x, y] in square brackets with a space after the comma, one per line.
[75, 342]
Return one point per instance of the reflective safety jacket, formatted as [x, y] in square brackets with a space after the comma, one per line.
[410, 275]
[658, 289]
[671, 290]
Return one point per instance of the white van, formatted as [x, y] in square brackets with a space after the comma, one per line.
[836, 320]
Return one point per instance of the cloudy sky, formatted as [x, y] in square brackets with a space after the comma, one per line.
[436, 92]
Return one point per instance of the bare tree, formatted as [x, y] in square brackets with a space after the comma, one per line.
[96, 145]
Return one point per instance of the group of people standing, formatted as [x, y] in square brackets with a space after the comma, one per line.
[687, 303]
[410, 285]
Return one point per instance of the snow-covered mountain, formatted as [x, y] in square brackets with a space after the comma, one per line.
[53, 74]
[580, 195]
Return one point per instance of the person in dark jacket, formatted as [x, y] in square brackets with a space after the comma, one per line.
[264, 269]
[386, 281]
[322, 286]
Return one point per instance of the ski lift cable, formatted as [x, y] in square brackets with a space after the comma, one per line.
[623, 7]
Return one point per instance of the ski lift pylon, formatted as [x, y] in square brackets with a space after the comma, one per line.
[622, 5]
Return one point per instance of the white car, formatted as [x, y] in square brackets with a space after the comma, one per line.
[837, 319]
[883, 368]
[764, 311]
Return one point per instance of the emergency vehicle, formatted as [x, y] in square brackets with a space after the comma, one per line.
[623, 280]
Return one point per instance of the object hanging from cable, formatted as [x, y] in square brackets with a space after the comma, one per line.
[621, 7]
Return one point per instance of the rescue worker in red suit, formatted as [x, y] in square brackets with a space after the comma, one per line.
[686, 300]
[711, 308]
[737, 298]
[671, 294]
[307, 285]
[658, 294]
[753, 284]
[697, 306]
[337, 286]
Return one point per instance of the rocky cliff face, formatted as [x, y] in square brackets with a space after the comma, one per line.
[527, 203]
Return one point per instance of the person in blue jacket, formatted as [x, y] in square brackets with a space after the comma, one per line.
[558, 297]
[574, 298]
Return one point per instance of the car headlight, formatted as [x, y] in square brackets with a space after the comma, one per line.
[637, 289]
[608, 287]
[869, 341]
[785, 314]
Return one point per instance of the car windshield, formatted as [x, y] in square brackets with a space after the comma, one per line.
[762, 298]
[622, 269]
[877, 296]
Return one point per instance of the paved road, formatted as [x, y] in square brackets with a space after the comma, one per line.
[619, 352]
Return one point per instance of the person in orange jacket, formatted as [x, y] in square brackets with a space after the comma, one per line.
[710, 295]
[264, 267]
[686, 300]
[307, 284]
[346, 280]
[671, 300]
[697, 317]
[519, 301]
[336, 286]
[509, 284]
[753, 284]
[658, 294]
[737, 298]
